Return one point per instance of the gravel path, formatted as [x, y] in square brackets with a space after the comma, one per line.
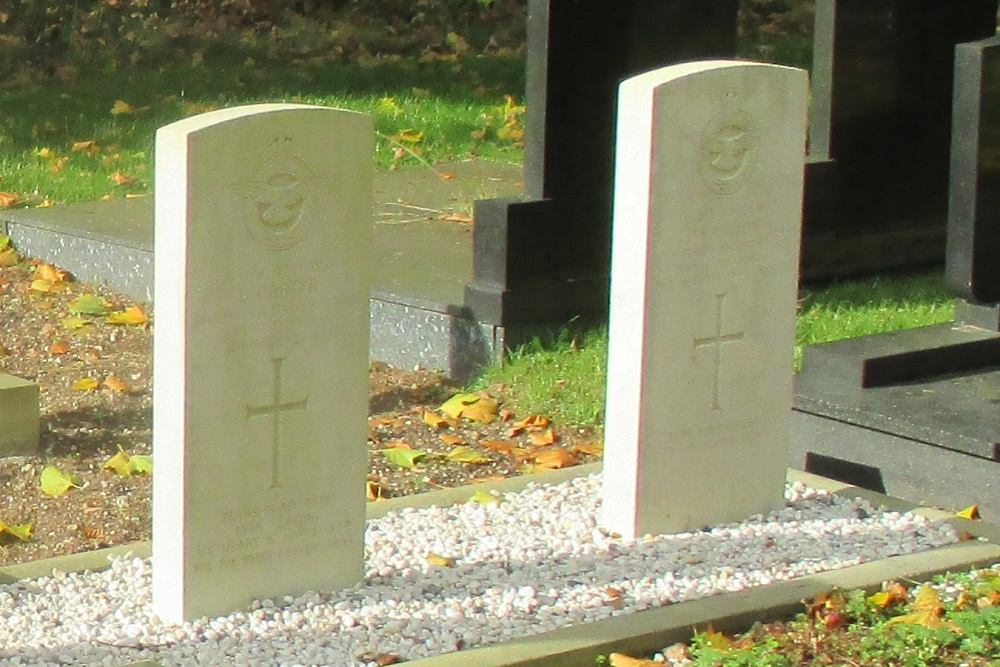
[534, 562]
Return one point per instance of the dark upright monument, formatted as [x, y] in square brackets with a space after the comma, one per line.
[880, 130]
[917, 412]
[544, 258]
[973, 250]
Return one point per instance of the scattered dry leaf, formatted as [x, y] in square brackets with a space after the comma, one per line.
[543, 439]
[555, 457]
[59, 347]
[121, 178]
[457, 217]
[433, 419]
[928, 610]
[589, 447]
[115, 383]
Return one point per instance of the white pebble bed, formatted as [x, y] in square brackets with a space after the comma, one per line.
[535, 562]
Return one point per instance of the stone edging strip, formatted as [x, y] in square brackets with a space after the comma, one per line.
[646, 631]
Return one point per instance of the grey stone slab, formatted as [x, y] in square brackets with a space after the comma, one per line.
[109, 243]
[422, 262]
[883, 460]
[18, 416]
[708, 195]
[406, 335]
[260, 359]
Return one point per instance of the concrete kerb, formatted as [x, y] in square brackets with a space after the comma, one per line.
[645, 631]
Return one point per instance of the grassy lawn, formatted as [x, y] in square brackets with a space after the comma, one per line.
[92, 136]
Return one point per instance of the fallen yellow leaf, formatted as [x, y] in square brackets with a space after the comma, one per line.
[122, 107]
[131, 315]
[9, 257]
[85, 384]
[466, 455]
[434, 419]
[484, 498]
[438, 559]
[928, 611]
[74, 322]
[970, 512]
[622, 660]
[39, 285]
[49, 273]
[408, 135]
[892, 593]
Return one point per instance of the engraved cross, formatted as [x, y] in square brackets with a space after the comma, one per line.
[274, 410]
[716, 342]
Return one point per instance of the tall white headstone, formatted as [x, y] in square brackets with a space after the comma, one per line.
[262, 247]
[707, 215]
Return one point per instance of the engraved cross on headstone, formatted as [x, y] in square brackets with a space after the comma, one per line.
[717, 341]
[274, 410]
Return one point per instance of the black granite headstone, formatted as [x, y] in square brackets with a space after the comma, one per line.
[544, 258]
[882, 96]
[973, 250]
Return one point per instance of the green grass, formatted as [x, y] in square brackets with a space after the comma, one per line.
[451, 108]
[563, 375]
[560, 376]
[861, 308]
[953, 621]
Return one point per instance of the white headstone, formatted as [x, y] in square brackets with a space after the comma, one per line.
[262, 245]
[707, 211]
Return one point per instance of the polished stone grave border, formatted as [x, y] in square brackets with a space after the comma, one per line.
[417, 311]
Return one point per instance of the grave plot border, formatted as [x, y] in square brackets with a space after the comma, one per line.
[649, 630]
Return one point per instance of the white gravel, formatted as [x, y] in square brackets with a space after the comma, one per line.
[532, 563]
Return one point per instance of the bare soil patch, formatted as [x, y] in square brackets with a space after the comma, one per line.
[81, 428]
